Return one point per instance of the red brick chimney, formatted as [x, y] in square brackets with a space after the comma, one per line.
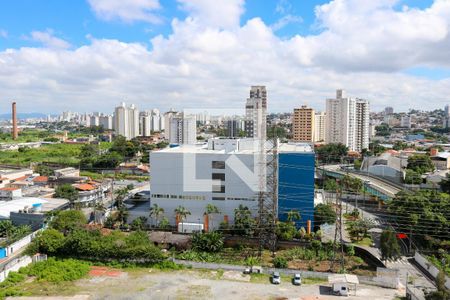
[15, 132]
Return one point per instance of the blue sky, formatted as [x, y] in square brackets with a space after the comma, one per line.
[74, 20]
[302, 56]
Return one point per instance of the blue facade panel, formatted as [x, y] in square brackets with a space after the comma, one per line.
[296, 185]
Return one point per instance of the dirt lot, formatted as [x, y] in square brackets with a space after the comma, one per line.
[195, 284]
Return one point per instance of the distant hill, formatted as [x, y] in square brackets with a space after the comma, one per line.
[23, 116]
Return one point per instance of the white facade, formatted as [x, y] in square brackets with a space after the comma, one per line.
[94, 121]
[194, 176]
[167, 116]
[347, 121]
[405, 122]
[319, 127]
[256, 113]
[126, 121]
[106, 121]
[145, 123]
[182, 129]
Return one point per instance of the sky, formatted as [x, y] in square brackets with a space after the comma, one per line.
[90, 55]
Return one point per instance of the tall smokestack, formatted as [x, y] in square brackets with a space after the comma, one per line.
[15, 132]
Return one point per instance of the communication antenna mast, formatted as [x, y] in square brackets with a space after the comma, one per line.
[268, 194]
[338, 244]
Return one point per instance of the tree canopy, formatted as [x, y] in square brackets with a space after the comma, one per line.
[331, 152]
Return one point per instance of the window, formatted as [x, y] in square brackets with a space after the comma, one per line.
[218, 164]
[218, 189]
[218, 198]
[218, 176]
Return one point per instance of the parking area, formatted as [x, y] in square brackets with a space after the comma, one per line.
[198, 284]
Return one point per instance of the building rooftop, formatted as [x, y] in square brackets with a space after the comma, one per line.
[9, 189]
[6, 207]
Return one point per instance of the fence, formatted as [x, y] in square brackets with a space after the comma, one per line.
[430, 268]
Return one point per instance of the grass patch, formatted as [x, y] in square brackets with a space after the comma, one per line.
[313, 280]
[367, 241]
[64, 154]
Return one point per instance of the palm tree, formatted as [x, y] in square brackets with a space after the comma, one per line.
[182, 213]
[156, 212]
[120, 196]
[293, 215]
[99, 208]
[122, 214]
[211, 209]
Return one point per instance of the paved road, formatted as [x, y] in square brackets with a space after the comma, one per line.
[382, 186]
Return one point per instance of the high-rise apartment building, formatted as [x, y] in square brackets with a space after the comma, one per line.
[145, 123]
[256, 113]
[320, 121]
[347, 121]
[303, 124]
[182, 129]
[126, 121]
[388, 111]
[106, 121]
[167, 116]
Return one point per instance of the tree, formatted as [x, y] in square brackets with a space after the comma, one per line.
[164, 224]
[67, 191]
[331, 152]
[6, 228]
[121, 194]
[324, 214]
[156, 212]
[44, 170]
[49, 241]
[420, 163]
[286, 231]
[293, 216]
[244, 223]
[208, 241]
[445, 184]
[390, 249]
[442, 292]
[88, 151]
[68, 220]
[182, 214]
[122, 214]
[139, 223]
[330, 185]
[360, 227]
[126, 149]
[412, 177]
[210, 210]
[109, 160]
[99, 209]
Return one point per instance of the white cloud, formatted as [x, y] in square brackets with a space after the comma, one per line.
[3, 33]
[48, 39]
[126, 10]
[286, 20]
[205, 63]
[217, 13]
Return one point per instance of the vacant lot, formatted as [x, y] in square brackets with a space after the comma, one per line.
[193, 284]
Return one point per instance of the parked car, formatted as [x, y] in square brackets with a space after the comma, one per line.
[297, 280]
[247, 271]
[276, 279]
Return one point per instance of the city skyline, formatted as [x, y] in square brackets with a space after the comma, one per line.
[98, 53]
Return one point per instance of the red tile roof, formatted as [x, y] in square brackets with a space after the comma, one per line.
[84, 187]
[40, 179]
[9, 189]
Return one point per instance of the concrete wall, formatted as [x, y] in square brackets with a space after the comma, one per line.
[15, 265]
[430, 268]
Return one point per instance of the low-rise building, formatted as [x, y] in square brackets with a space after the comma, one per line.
[8, 176]
[67, 172]
[30, 211]
[9, 193]
[441, 160]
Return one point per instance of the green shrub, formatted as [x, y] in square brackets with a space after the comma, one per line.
[208, 242]
[280, 262]
[53, 270]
